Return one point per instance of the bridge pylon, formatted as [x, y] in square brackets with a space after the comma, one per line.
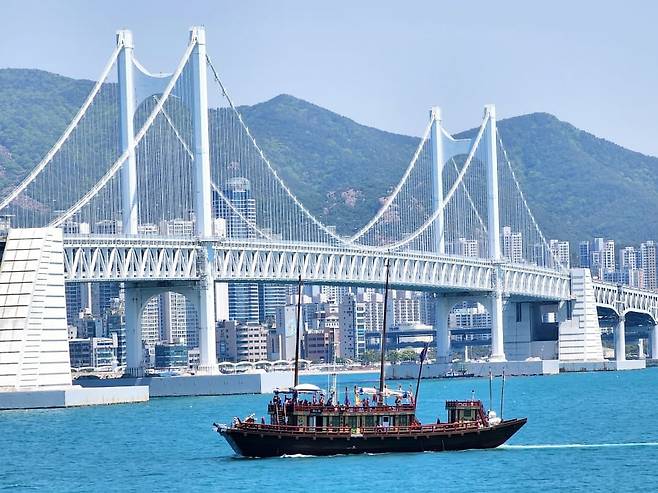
[493, 229]
[126, 85]
[438, 160]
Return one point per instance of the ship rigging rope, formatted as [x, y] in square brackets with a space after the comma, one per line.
[439, 210]
[228, 202]
[559, 264]
[138, 138]
[267, 163]
[64, 137]
[398, 188]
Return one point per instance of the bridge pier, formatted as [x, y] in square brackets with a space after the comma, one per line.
[132, 314]
[207, 336]
[654, 342]
[620, 339]
[497, 340]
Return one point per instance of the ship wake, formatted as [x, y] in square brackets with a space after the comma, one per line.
[578, 445]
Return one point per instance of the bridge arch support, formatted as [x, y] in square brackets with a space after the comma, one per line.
[137, 295]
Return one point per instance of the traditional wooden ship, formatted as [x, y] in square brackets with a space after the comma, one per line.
[304, 420]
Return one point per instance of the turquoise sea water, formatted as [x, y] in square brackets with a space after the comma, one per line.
[585, 432]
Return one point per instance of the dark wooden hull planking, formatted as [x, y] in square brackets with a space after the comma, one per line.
[261, 442]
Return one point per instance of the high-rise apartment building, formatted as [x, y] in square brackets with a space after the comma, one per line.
[238, 208]
[584, 259]
[468, 248]
[648, 264]
[628, 258]
[270, 297]
[150, 322]
[512, 245]
[560, 252]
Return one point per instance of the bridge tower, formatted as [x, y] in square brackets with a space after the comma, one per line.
[133, 90]
[493, 228]
[202, 202]
[129, 219]
[436, 143]
[125, 66]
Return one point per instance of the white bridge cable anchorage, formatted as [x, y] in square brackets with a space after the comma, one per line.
[446, 199]
[63, 138]
[138, 137]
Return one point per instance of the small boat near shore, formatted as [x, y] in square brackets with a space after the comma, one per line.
[305, 420]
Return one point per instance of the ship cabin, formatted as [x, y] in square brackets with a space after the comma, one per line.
[465, 411]
[306, 408]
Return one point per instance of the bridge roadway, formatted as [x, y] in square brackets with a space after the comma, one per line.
[161, 264]
[93, 258]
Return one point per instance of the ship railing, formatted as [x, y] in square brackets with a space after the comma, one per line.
[378, 430]
[353, 409]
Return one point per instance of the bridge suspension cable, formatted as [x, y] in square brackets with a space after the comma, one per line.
[389, 200]
[225, 200]
[457, 184]
[146, 126]
[521, 230]
[237, 166]
[30, 204]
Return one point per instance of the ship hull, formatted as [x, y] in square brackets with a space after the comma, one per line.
[264, 443]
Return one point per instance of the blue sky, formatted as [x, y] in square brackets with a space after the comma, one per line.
[381, 63]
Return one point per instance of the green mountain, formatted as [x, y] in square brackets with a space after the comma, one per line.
[577, 185]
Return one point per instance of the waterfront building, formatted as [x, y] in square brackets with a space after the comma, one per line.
[94, 352]
[171, 356]
[283, 344]
[192, 325]
[241, 341]
[359, 314]
[317, 345]
[403, 336]
[468, 315]
[193, 356]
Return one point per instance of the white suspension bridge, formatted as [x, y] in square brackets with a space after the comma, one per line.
[147, 149]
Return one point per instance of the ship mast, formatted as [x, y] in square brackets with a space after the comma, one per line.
[299, 309]
[383, 342]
